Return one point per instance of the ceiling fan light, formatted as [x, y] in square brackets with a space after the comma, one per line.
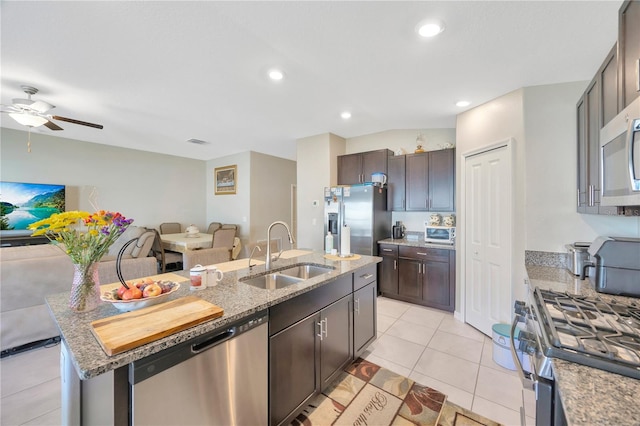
[28, 120]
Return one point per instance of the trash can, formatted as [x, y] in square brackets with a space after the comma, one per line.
[502, 345]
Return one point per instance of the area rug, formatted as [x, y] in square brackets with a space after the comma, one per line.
[367, 394]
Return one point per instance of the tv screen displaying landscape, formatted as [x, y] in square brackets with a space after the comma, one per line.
[24, 203]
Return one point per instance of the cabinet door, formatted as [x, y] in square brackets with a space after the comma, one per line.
[349, 169]
[293, 376]
[364, 318]
[409, 278]
[582, 156]
[441, 180]
[388, 274]
[436, 285]
[593, 138]
[629, 48]
[336, 350]
[372, 162]
[395, 183]
[417, 182]
[608, 75]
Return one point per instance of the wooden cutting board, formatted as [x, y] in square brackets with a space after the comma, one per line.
[129, 330]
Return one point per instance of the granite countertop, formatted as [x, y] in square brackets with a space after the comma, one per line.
[590, 396]
[238, 300]
[416, 243]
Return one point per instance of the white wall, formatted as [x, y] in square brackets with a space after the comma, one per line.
[230, 208]
[542, 122]
[271, 181]
[495, 121]
[551, 219]
[316, 160]
[150, 188]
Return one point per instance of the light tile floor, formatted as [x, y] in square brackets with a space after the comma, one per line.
[427, 345]
[435, 349]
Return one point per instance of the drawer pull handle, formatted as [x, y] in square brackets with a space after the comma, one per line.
[387, 250]
[423, 254]
[366, 276]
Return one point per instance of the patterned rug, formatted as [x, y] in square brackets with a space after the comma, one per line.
[367, 394]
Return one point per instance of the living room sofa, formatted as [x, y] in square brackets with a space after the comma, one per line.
[31, 273]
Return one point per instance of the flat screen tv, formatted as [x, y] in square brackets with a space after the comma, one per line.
[24, 203]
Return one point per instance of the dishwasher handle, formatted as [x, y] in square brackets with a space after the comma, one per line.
[213, 341]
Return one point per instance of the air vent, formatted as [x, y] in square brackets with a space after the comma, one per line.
[198, 142]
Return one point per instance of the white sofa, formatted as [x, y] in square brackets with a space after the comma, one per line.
[30, 273]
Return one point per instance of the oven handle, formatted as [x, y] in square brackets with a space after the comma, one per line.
[529, 379]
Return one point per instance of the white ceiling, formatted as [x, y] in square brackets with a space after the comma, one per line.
[158, 73]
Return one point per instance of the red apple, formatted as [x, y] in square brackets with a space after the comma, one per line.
[133, 293]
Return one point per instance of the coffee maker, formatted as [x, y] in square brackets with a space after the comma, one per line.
[397, 231]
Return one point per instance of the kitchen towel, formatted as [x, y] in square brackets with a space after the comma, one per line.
[345, 241]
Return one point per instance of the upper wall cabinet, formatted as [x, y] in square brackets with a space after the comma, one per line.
[395, 183]
[597, 106]
[430, 181]
[629, 52]
[357, 168]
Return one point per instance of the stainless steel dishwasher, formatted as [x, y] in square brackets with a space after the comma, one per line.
[216, 379]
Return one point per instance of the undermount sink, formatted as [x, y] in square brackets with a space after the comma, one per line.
[306, 271]
[271, 281]
[286, 277]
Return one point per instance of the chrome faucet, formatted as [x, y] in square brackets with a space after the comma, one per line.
[251, 255]
[267, 265]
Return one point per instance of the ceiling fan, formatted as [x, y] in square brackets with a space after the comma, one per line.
[32, 113]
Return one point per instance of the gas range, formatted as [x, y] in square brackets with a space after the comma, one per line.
[583, 329]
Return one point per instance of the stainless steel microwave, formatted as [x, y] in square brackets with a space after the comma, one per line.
[620, 158]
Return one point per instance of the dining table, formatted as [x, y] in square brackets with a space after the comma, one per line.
[181, 242]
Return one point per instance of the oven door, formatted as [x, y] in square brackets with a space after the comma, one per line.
[548, 407]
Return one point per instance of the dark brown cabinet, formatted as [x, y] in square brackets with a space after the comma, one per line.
[334, 333]
[629, 52]
[364, 317]
[388, 275]
[293, 353]
[430, 181]
[396, 183]
[358, 168]
[596, 107]
[425, 276]
[313, 337]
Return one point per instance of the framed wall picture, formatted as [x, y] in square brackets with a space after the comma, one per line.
[225, 179]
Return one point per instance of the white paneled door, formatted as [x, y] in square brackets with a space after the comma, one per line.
[488, 238]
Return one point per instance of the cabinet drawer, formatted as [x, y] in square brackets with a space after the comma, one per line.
[388, 250]
[364, 276]
[441, 255]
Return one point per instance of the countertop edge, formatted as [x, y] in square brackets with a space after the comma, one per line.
[238, 301]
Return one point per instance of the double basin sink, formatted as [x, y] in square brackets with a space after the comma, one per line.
[286, 277]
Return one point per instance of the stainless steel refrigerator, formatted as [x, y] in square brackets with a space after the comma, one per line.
[364, 209]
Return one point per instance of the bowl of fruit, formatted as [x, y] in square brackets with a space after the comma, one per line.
[140, 294]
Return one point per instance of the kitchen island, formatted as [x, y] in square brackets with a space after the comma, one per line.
[239, 300]
[590, 396]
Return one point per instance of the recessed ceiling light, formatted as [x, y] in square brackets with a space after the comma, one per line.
[463, 103]
[276, 75]
[346, 115]
[198, 141]
[430, 28]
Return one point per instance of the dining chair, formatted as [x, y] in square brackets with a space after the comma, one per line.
[230, 226]
[170, 228]
[206, 256]
[224, 238]
[213, 226]
[165, 257]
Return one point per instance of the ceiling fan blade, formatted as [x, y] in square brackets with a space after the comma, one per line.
[53, 126]
[41, 106]
[71, 120]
